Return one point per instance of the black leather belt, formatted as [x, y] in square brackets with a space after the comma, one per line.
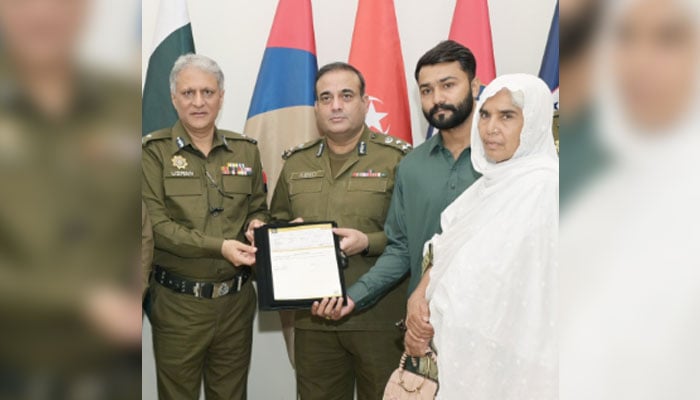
[207, 290]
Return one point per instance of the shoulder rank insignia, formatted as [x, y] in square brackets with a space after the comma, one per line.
[392, 142]
[235, 136]
[161, 134]
[287, 153]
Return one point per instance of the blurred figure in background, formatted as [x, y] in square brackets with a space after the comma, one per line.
[630, 271]
[582, 157]
[69, 271]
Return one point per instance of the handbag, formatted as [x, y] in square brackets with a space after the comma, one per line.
[407, 385]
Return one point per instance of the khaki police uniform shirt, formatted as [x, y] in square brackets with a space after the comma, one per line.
[195, 202]
[357, 197]
[69, 210]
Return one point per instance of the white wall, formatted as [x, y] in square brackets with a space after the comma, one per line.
[235, 33]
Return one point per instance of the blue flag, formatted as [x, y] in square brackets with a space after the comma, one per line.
[549, 70]
[281, 113]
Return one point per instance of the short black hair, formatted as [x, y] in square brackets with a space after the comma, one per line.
[449, 51]
[339, 66]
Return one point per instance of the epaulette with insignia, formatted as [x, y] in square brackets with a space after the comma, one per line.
[391, 141]
[237, 136]
[157, 135]
[287, 153]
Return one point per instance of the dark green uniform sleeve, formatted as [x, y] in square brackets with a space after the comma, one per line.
[257, 207]
[168, 235]
[393, 264]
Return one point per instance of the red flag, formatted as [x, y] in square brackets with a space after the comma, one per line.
[471, 27]
[376, 52]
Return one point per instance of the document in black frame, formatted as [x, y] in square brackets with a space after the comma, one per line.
[297, 264]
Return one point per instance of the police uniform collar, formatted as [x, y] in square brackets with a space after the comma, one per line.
[220, 140]
[364, 139]
[181, 138]
[361, 145]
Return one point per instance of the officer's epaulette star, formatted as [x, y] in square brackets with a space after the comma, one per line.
[236, 136]
[391, 141]
[157, 135]
[287, 153]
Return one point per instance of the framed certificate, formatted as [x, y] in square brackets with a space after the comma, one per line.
[297, 264]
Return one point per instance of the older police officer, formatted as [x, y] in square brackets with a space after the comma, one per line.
[203, 187]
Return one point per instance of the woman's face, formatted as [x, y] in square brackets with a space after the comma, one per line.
[500, 124]
[655, 59]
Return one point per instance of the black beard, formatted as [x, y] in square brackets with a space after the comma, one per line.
[460, 113]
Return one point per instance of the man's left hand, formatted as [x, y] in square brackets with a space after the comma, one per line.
[249, 234]
[332, 308]
[352, 241]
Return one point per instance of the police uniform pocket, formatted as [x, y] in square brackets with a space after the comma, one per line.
[305, 197]
[368, 184]
[367, 198]
[182, 186]
[297, 186]
[237, 184]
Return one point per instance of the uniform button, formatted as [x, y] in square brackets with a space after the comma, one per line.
[452, 186]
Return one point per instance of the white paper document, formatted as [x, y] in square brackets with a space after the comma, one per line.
[303, 262]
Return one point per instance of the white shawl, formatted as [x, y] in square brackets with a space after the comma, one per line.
[492, 284]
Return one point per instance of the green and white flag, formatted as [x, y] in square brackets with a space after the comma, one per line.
[172, 38]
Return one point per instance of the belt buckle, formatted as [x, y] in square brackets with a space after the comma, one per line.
[223, 289]
[197, 289]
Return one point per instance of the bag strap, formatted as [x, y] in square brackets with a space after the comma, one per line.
[402, 363]
[404, 356]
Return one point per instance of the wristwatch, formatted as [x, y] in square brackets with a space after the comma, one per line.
[365, 251]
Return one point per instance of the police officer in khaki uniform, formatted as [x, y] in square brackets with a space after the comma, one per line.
[346, 176]
[203, 187]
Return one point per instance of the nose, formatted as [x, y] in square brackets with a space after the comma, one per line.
[337, 103]
[438, 97]
[198, 99]
[491, 126]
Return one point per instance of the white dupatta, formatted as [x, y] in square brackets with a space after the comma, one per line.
[493, 280]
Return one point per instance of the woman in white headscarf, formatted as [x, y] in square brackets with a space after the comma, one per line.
[492, 283]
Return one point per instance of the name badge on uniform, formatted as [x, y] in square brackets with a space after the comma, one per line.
[307, 174]
[368, 174]
[238, 169]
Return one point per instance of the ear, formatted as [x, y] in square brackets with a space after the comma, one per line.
[476, 87]
[365, 99]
